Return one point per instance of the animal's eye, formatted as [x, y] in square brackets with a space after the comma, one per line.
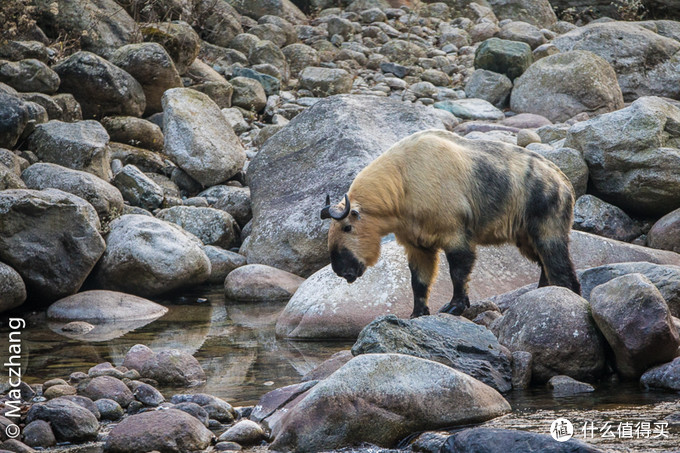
[347, 228]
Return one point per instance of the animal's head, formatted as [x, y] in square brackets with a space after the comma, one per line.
[353, 241]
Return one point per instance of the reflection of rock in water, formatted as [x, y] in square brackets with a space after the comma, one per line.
[100, 332]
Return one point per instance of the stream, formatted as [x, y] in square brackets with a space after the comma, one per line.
[235, 343]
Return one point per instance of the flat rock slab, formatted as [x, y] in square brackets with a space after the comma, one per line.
[101, 306]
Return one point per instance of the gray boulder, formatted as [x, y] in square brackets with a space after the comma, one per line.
[646, 63]
[211, 226]
[665, 233]
[100, 87]
[598, 217]
[102, 26]
[511, 58]
[198, 137]
[632, 155]
[326, 81]
[170, 431]
[331, 141]
[412, 395]
[222, 262]
[248, 94]
[100, 307]
[108, 387]
[537, 12]
[150, 64]
[257, 282]
[134, 131]
[634, 318]
[12, 288]
[178, 38]
[493, 440]
[147, 256]
[556, 327]
[234, 200]
[105, 198]
[50, 238]
[281, 8]
[70, 421]
[563, 85]
[666, 278]
[666, 376]
[562, 386]
[523, 32]
[138, 189]
[9, 179]
[29, 75]
[450, 340]
[13, 119]
[173, 367]
[220, 21]
[490, 86]
[79, 146]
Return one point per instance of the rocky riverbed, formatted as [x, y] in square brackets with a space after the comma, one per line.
[149, 148]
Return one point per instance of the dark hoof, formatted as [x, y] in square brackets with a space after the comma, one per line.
[456, 307]
[418, 313]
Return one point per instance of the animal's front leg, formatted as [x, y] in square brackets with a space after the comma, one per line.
[422, 263]
[461, 261]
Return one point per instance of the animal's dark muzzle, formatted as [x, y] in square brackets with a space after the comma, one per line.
[345, 265]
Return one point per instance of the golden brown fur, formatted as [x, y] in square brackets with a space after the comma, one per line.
[435, 190]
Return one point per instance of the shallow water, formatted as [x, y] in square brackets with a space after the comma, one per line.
[237, 347]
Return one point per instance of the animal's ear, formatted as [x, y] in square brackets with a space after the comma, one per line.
[355, 214]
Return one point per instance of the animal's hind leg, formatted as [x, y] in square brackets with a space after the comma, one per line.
[557, 269]
[422, 264]
[527, 249]
[461, 260]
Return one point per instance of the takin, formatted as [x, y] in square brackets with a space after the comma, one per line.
[438, 191]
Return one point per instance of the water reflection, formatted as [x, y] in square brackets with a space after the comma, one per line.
[234, 342]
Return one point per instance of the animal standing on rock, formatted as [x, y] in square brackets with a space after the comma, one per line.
[438, 191]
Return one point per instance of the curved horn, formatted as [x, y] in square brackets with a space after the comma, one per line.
[342, 214]
[325, 212]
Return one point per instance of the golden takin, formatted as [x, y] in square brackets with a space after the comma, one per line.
[438, 191]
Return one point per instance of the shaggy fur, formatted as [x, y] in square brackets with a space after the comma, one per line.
[437, 191]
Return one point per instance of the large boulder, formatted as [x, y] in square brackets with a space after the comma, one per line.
[80, 146]
[450, 340]
[220, 21]
[147, 256]
[211, 226]
[170, 431]
[150, 64]
[570, 161]
[535, 12]
[633, 155]
[634, 318]
[50, 238]
[12, 288]
[556, 327]
[646, 63]
[380, 399]
[257, 282]
[100, 87]
[258, 8]
[70, 421]
[104, 197]
[511, 58]
[666, 278]
[563, 85]
[598, 217]
[29, 75]
[326, 306]
[493, 440]
[99, 307]
[666, 376]
[320, 151]
[101, 25]
[665, 233]
[199, 138]
[178, 38]
[14, 117]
